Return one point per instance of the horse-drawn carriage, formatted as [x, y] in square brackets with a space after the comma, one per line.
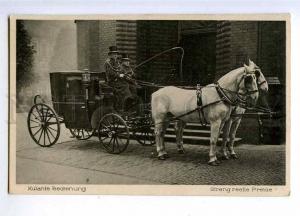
[85, 103]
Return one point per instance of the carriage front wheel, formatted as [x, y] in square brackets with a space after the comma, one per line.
[43, 125]
[113, 133]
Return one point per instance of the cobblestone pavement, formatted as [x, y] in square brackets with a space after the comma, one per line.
[258, 165]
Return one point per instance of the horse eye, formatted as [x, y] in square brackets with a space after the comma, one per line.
[257, 73]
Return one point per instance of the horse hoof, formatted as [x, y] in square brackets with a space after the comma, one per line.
[162, 157]
[180, 151]
[234, 156]
[166, 156]
[225, 157]
[218, 162]
[213, 163]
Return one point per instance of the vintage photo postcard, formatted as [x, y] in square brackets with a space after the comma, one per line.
[150, 104]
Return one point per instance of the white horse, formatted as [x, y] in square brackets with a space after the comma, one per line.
[238, 85]
[233, 123]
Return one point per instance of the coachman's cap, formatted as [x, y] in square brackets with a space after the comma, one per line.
[113, 49]
[125, 57]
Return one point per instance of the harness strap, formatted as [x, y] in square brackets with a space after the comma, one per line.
[199, 109]
[223, 95]
[259, 84]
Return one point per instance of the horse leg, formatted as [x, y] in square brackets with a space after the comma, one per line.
[179, 127]
[159, 139]
[225, 140]
[165, 126]
[214, 135]
[235, 125]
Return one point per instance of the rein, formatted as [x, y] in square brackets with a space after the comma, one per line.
[239, 96]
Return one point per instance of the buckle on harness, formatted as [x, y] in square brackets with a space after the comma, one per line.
[199, 93]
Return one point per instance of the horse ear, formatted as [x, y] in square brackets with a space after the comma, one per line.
[247, 68]
[251, 63]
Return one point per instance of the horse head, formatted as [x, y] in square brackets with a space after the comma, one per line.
[250, 86]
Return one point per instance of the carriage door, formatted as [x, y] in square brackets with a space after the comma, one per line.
[200, 58]
[76, 115]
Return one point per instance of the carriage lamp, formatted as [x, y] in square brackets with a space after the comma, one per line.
[86, 80]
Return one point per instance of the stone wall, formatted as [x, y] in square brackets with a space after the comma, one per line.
[154, 37]
[237, 41]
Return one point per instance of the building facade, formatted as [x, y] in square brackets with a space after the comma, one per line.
[212, 48]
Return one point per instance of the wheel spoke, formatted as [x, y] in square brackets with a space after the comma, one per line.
[37, 131]
[44, 137]
[51, 128]
[121, 141]
[36, 117]
[35, 121]
[108, 124]
[38, 111]
[116, 124]
[40, 135]
[48, 136]
[108, 145]
[105, 126]
[50, 133]
[50, 117]
[118, 146]
[113, 144]
[46, 116]
[41, 112]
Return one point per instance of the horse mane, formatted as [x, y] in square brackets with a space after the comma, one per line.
[230, 78]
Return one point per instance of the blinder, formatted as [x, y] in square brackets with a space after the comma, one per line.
[248, 79]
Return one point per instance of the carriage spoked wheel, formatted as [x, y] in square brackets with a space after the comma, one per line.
[43, 125]
[113, 133]
[144, 134]
[81, 133]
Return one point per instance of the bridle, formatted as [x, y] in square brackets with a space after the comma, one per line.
[240, 97]
[248, 92]
[262, 82]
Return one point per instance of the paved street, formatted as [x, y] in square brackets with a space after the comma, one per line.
[85, 162]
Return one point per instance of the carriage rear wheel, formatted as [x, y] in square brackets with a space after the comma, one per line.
[43, 125]
[113, 133]
[81, 134]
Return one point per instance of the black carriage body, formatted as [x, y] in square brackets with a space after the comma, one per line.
[77, 100]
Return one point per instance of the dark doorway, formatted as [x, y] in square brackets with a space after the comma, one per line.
[199, 62]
